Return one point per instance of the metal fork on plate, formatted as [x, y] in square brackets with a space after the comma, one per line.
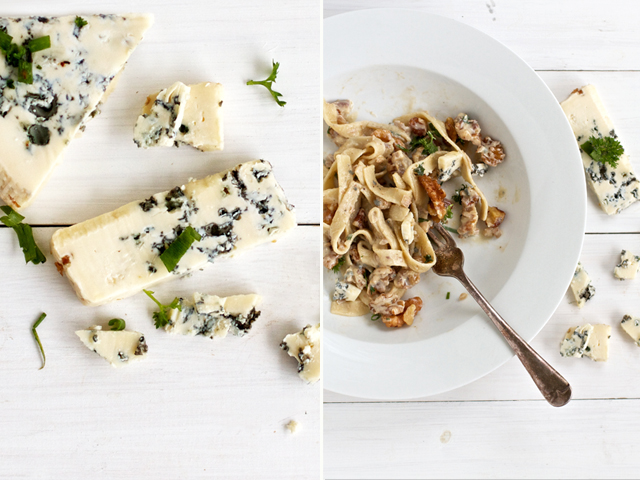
[450, 260]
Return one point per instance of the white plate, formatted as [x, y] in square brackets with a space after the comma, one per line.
[391, 62]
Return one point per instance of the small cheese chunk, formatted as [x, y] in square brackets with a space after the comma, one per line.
[447, 164]
[212, 316]
[581, 286]
[479, 169]
[575, 341]
[615, 188]
[197, 120]
[119, 348]
[631, 325]
[293, 426]
[628, 266]
[346, 292]
[597, 348]
[159, 127]
[117, 254]
[71, 79]
[304, 346]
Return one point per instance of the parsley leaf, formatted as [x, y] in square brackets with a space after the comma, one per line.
[428, 258]
[456, 197]
[172, 255]
[117, 324]
[35, 335]
[603, 150]
[337, 266]
[268, 83]
[447, 216]
[20, 56]
[419, 170]
[24, 232]
[80, 22]
[161, 318]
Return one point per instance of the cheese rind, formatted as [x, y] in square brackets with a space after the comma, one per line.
[304, 346]
[70, 80]
[631, 325]
[615, 188]
[199, 124]
[581, 286]
[119, 348]
[628, 266]
[212, 316]
[117, 254]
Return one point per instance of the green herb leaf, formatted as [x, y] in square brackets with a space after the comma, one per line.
[428, 259]
[448, 295]
[372, 290]
[603, 150]
[117, 324]
[452, 230]
[268, 83]
[5, 41]
[172, 255]
[80, 22]
[456, 197]
[420, 219]
[375, 317]
[35, 335]
[10, 83]
[24, 232]
[447, 215]
[161, 318]
[337, 266]
[419, 170]
[37, 44]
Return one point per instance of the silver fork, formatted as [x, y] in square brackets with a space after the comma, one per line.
[450, 260]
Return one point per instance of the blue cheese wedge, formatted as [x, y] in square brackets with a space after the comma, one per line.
[615, 188]
[628, 266]
[193, 118]
[70, 81]
[304, 346]
[581, 286]
[448, 164]
[159, 126]
[575, 341]
[631, 325]
[119, 348]
[213, 316]
[597, 348]
[346, 292]
[117, 254]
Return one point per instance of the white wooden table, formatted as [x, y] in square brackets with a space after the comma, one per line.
[499, 427]
[196, 408]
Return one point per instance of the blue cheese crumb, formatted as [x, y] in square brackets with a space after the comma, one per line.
[628, 266]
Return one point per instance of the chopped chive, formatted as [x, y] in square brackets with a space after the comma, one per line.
[24, 232]
[35, 334]
[117, 324]
[12, 218]
[448, 295]
[37, 44]
[172, 255]
[80, 22]
[376, 317]
[452, 230]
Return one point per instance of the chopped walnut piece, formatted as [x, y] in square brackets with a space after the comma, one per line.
[395, 321]
[467, 129]
[328, 211]
[418, 126]
[354, 274]
[336, 137]
[402, 126]
[436, 194]
[417, 301]
[495, 217]
[412, 307]
[406, 279]
[353, 253]
[469, 215]
[492, 232]
[384, 135]
[329, 257]
[360, 221]
[381, 277]
[344, 109]
[451, 129]
[491, 151]
[399, 162]
[387, 304]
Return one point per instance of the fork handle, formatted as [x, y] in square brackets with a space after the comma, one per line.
[555, 389]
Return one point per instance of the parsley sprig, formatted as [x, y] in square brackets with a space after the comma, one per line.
[31, 251]
[337, 266]
[427, 142]
[268, 83]
[20, 56]
[161, 318]
[603, 150]
[35, 335]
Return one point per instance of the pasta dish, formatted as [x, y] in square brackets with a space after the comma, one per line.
[382, 191]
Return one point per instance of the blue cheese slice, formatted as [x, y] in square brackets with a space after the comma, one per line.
[615, 188]
[597, 348]
[159, 126]
[117, 254]
[631, 325]
[213, 316]
[581, 286]
[628, 266]
[575, 341]
[119, 348]
[304, 346]
[70, 81]
[196, 119]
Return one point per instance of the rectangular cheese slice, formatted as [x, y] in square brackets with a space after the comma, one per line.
[199, 118]
[628, 266]
[597, 348]
[631, 325]
[70, 80]
[117, 254]
[212, 316]
[581, 286]
[119, 348]
[615, 188]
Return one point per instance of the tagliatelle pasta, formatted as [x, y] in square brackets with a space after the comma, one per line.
[382, 191]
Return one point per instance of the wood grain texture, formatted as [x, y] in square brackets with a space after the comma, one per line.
[196, 408]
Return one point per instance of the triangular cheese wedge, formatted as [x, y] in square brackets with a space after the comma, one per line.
[119, 348]
[70, 80]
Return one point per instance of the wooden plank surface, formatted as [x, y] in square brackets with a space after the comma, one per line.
[196, 408]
